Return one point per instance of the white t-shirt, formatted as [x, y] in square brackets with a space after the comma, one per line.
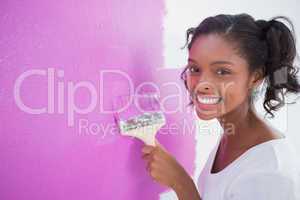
[267, 171]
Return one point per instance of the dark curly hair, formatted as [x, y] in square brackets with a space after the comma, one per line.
[266, 45]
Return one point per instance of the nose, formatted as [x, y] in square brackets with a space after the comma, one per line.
[204, 87]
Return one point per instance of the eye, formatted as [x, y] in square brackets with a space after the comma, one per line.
[192, 69]
[223, 71]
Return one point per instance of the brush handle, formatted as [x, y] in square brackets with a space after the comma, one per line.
[150, 141]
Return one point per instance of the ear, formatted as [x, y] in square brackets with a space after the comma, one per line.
[256, 79]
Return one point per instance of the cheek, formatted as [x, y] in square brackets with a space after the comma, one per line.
[234, 93]
[191, 83]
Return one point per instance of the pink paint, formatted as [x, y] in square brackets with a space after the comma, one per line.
[45, 156]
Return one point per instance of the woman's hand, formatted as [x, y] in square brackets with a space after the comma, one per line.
[162, 167]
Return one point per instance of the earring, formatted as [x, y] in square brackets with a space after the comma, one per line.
[255, 92]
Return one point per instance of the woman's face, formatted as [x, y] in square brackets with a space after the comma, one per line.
[217, 77]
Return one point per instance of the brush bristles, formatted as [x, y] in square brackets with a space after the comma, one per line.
[142, 121]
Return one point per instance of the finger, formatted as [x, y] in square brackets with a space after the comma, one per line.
[147, 157]
[158, 144]
[147, 149]
[148, 166]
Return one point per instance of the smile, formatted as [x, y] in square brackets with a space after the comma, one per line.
[208, 100]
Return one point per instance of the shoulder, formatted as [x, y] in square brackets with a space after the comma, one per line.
[274, 174]
[261, 185]
[275, 155]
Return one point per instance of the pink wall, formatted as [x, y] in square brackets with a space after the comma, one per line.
[58, 153]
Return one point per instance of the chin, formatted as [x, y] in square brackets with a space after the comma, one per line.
[206, 115]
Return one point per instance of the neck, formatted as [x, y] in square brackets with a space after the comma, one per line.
[241, 126]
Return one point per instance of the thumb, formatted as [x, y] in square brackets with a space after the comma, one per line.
[158, 144]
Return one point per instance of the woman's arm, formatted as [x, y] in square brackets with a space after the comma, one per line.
[186, 189]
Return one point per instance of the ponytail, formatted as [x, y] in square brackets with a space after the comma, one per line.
[279, 69]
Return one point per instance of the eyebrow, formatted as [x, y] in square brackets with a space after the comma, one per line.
[221, 62]
[218, 62]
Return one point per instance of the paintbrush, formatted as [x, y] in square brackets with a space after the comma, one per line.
[139, 116]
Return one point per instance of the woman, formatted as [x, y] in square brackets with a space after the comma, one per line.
[229, 57]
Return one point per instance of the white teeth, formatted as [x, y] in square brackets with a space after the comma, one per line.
[208, 100]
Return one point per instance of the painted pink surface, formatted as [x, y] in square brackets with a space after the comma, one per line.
[49, 155]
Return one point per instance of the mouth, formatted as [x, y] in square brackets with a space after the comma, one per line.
[208, 99]
[205, 102]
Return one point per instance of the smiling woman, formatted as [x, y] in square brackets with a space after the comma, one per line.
[229, 57]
